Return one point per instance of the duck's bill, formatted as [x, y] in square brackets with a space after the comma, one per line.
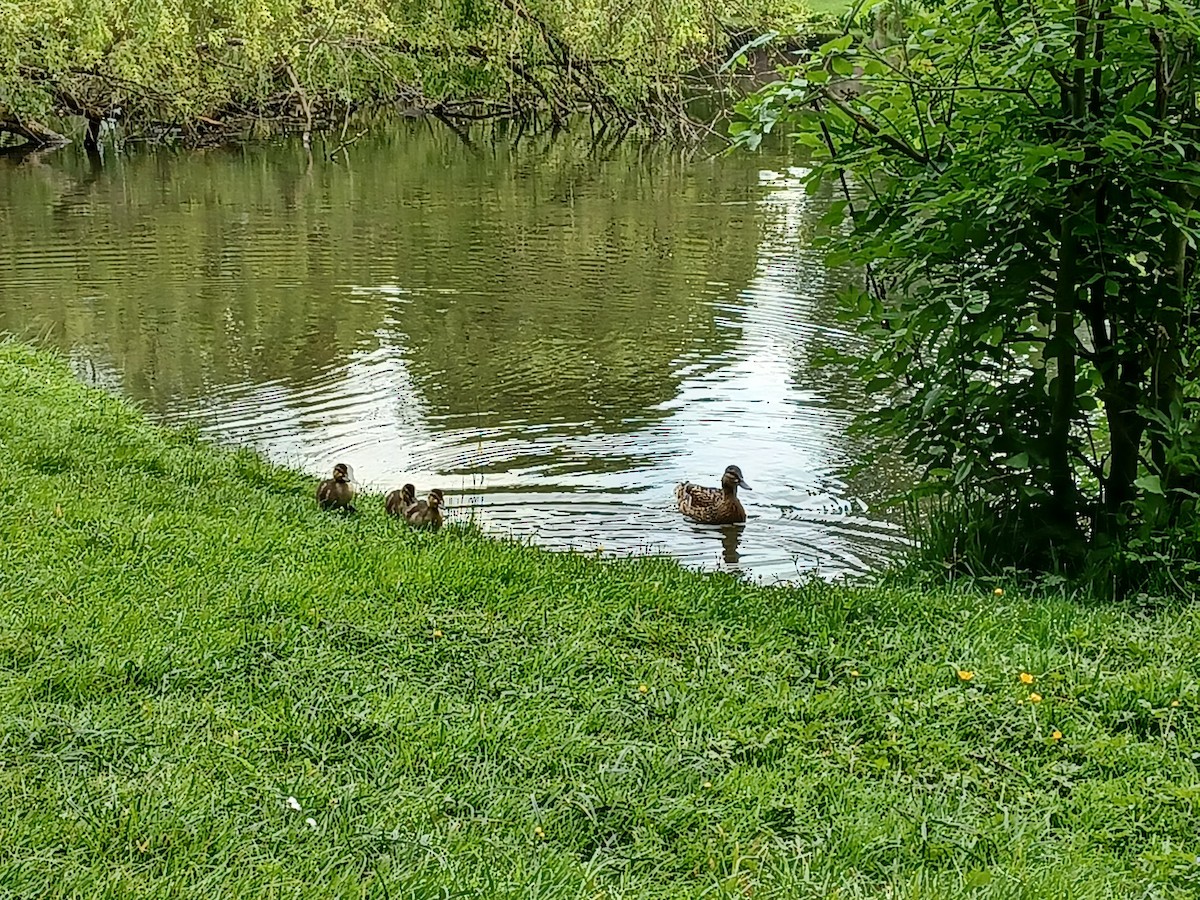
[742, 483]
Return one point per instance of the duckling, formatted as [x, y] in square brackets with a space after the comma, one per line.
[337, 492]
[426, 513]
[713, 506]
[398, 501]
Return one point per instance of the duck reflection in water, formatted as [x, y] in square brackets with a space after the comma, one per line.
[731, 535]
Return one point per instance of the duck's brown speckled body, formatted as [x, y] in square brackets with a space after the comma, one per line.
[337, 492]
[713, 506]
[397, 502]
[426, 513]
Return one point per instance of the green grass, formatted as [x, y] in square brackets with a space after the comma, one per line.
[186, 643]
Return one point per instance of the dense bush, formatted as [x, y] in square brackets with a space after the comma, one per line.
[1020, 185]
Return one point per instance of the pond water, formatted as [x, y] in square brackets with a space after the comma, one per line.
[553, 329]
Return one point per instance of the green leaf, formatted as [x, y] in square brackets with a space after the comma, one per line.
[739, 56]
[931, 399]
[1017, 461]
[838, 45]
[842, 66]
[1139, 124]
[1151, 484]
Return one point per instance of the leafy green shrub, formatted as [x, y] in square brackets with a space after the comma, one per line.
[1020, 186]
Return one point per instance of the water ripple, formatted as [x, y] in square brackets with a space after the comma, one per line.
[554, 347]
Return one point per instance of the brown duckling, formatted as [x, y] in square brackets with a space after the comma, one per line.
[337, 492]
[426, 513]
[713, 506]
[396, 502]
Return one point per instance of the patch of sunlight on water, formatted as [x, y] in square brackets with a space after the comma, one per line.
[553, 332]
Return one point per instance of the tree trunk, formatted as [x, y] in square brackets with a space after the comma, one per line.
[33, 132]
[91, 140]
[1062, 345]
[1167, 346]
[1121, 394]
[1064, 514]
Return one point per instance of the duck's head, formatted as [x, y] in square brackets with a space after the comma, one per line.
[733, 479]
[435, 499]
[408, 494]
[341, 473]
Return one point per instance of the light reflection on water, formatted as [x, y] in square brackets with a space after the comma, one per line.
[554, 341]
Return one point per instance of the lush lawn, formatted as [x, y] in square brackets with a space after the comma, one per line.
[209, 689]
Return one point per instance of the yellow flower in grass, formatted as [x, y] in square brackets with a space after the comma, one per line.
[642, 689]
[707, 785]
[1174, 704]
[538, 832]
[998, 592]
[1035, 697]
[437, 633]
[1026, 678]
[965, 674]
[1056, 735]
[854, 673]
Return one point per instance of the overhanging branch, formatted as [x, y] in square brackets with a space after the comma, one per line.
[875, 131]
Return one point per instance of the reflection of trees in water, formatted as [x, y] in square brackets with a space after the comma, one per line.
[578, 270]
[813, 361]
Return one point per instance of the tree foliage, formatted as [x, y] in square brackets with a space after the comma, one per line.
[1020, 181]
[182, 62]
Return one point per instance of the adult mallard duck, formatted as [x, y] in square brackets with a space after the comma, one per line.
[397, 502]
[426, 513]
[713, 506]
[337, 492]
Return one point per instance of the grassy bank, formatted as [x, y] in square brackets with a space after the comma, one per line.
[208, 688]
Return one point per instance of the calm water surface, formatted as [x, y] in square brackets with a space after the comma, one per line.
[554, 332]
